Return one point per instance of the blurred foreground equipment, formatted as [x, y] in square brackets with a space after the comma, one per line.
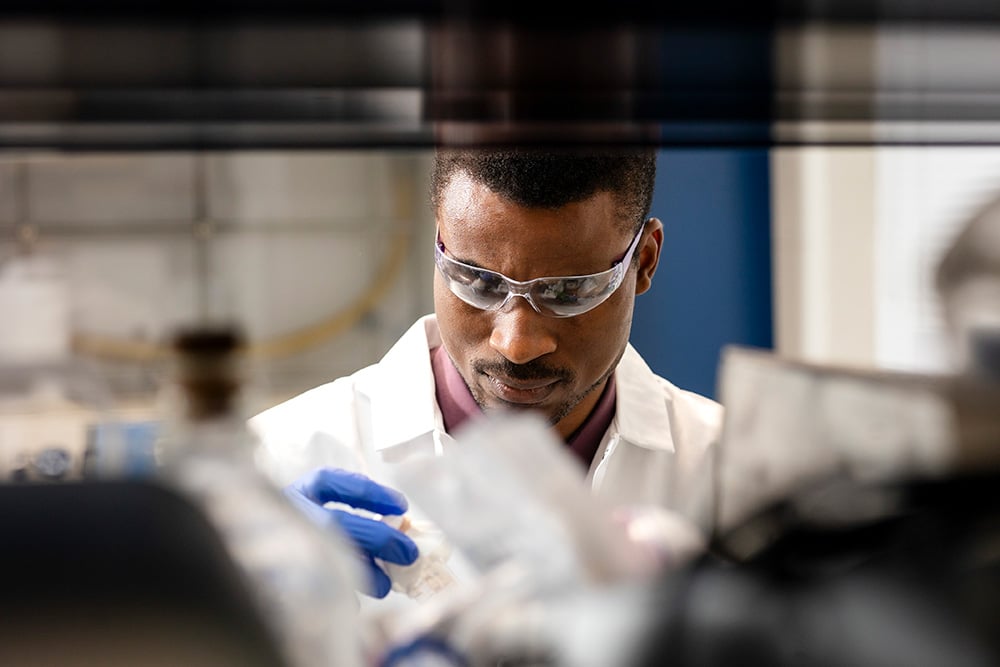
[120, 574]
[301, 578]
[857, 518]
[194, 560]
[968, 284]
[858, 524]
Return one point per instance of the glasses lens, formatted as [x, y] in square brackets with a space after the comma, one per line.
[565, 297]
[477, 287]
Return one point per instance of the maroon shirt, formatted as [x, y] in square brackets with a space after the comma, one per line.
[457, 405]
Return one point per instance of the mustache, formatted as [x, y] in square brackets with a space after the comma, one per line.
[533, 370]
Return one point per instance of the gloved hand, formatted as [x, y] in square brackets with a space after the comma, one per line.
[373, 538]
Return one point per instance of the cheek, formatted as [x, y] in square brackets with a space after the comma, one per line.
[596, 341]
[461, 325]
[600, 339]
[622, 306]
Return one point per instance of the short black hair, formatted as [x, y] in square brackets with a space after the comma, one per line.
[550, 178]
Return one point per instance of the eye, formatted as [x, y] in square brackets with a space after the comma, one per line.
[589, 287]
[561, 291]
[573, 290]
[488, 282]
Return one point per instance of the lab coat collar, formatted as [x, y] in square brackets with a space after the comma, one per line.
[404, 405]
[642, 412]
[401, 388]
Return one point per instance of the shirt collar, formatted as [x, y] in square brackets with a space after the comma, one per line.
[585, 442]
[453, 396]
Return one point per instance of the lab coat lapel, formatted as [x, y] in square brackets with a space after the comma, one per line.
[402, 406]
[641, 411]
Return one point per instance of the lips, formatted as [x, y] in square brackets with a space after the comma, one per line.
[522, 392]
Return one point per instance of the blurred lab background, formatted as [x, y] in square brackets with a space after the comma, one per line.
[268, 167]
[810, 175]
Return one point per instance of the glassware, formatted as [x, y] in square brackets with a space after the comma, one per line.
[304, 578]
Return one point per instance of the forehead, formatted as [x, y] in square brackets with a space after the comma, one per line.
[470, 212]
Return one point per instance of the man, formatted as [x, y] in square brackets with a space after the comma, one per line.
[539, 257]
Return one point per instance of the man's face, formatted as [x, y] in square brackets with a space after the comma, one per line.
[516, 357]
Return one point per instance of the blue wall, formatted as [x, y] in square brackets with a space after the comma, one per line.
[713, 284]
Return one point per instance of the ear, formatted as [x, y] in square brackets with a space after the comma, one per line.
[649, 254]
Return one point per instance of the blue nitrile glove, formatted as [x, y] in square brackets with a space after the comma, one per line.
[373, 538]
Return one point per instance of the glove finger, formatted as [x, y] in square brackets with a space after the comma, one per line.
[315, 512]
[378, 579]
[378, 539]
[335, 485]
[373, 537]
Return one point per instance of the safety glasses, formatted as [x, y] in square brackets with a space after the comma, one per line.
[564, 296]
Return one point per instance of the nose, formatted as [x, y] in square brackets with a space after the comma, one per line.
[520, 333]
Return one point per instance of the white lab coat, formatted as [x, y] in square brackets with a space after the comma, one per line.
[657, 450]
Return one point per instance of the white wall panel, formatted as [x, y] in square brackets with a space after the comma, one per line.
[824, 230]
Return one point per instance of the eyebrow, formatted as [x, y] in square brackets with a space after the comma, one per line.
[476, 265]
